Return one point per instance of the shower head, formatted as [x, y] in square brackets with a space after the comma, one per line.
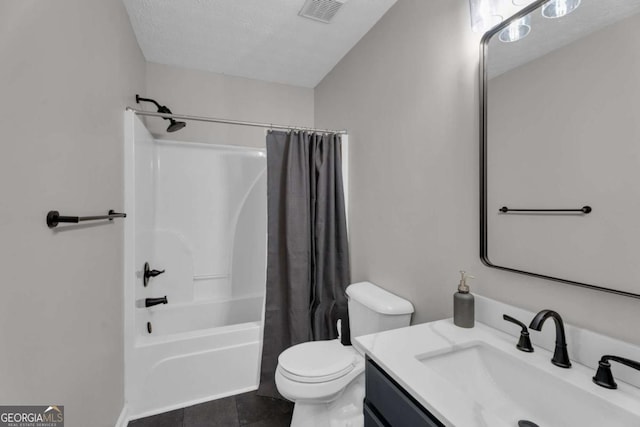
[174, 125]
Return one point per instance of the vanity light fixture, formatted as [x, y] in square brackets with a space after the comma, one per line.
[517, 30]
[559, 8]
[484, 15]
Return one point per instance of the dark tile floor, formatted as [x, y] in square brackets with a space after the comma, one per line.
[243, 410]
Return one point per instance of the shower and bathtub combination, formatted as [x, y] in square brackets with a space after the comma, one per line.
[198, 213]
[194, 266]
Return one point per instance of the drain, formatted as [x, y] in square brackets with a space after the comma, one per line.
[526, 423]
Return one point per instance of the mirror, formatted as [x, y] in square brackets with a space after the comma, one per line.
[560, 144]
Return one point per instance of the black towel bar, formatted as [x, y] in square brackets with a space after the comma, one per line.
[54, 218]
[584, 210]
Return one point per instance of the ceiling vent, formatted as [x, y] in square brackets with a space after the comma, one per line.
[321, 10]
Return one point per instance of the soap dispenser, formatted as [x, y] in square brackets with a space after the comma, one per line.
[463, 304]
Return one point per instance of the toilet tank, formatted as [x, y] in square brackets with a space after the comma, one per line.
[373, 309]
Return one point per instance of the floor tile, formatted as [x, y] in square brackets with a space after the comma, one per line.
[253, 409]
[244, 410]
[282, 420]
[217, 413]
[166, 419]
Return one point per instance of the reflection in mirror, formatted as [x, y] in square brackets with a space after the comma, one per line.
[561, 130]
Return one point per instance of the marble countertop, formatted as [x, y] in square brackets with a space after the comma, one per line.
[400, 353]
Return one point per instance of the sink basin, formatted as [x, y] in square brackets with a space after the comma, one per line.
[507, 389]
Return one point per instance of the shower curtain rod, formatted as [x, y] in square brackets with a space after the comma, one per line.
[231, 122]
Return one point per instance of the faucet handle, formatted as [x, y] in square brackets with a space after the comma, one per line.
[604, 377]
[148, 273]
[524, 343]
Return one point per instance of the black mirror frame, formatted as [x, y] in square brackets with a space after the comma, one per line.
[484, 247]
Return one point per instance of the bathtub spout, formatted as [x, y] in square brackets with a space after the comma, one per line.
[150, 302]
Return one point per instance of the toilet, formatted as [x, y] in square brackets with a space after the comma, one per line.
[325, 379]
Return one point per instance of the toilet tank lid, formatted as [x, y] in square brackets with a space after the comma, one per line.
[378, 299]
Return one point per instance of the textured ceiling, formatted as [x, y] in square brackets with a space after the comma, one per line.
[258, 39]
[550, 34]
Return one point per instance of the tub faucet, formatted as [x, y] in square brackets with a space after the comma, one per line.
[150, 302]
[149, 273]
[560, 355]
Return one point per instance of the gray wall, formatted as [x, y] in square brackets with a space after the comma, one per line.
[408, 93]
[68, 69]
[202, 93]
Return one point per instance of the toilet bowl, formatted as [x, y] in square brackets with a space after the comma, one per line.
[317, 371]
[325, 379]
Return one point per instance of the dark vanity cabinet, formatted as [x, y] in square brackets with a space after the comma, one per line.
[387, 404]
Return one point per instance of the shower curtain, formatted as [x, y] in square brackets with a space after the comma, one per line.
[307, 250]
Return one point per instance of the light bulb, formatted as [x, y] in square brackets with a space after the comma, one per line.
[516, 30]
[559, 8]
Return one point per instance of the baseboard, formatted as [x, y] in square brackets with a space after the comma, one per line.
[123, 419]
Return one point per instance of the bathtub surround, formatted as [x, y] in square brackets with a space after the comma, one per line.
[205, 342]
[408, 93]
[307, 254]
[68, 70]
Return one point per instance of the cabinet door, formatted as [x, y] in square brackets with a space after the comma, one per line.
[395, 406]
[370, 417]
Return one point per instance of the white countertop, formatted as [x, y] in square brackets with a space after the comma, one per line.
[399, 351]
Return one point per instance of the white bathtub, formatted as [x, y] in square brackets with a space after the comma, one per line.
[178, 365]
[197, 211]
[167, 321]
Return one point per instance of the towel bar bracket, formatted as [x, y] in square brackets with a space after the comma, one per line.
[54, 218]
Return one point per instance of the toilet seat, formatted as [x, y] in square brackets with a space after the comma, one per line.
[316, 361]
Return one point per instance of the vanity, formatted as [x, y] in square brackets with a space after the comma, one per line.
[437, 374]
[388, 403]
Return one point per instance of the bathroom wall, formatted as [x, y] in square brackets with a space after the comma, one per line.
[408, 94]
[202, 93]
[68, 69]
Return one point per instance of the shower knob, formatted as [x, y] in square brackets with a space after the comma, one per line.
[148, 273]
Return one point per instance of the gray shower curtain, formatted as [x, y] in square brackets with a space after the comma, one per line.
[307, 251]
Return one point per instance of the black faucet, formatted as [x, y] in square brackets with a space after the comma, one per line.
[150, 302]
[148, 273]
[604, 377]
[560, 355]
[524, 343]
